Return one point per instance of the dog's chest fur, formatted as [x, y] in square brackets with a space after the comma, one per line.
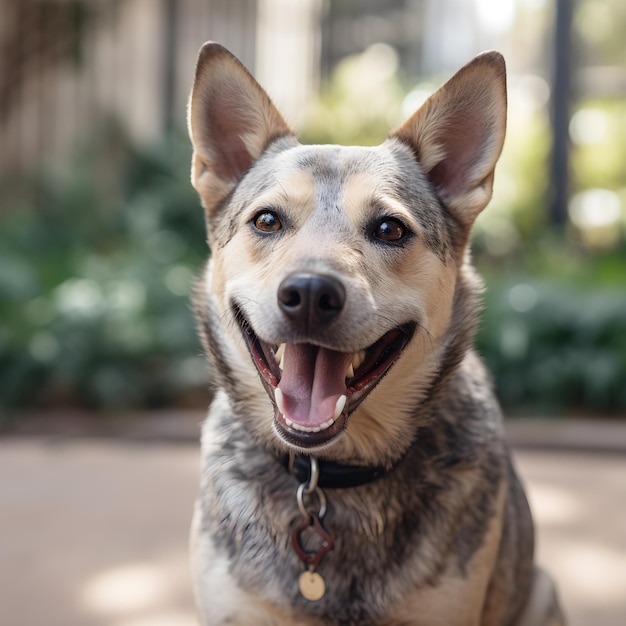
[447, 491]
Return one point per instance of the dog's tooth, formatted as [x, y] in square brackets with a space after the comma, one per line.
[357, 359]
[278, 396]
[279, 355]
[314, 429]
[350, 371]
[341, 403]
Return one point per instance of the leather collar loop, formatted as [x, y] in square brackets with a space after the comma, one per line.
[332, 475]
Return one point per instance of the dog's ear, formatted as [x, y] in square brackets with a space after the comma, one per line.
[231, 122]
[457, 135]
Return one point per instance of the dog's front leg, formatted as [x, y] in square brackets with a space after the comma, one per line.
[219, 600]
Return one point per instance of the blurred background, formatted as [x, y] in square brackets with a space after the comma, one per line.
[101, 233]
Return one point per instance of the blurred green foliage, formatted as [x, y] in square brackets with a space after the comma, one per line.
[599, 31]
[554, 325]
[96, 264]
[97, 258]
[599, 134]
[554, 333]
[360, 103]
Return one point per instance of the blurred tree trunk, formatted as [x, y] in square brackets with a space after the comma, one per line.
[170, 45]
[560, 112]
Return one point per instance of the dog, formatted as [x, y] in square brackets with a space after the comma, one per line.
[354, 469]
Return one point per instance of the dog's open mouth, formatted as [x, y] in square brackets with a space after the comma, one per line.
[314, 389]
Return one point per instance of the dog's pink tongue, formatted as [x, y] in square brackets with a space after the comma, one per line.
[313, 380]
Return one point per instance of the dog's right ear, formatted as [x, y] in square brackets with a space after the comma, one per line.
[231, 122]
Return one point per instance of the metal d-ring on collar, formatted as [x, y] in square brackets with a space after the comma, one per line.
[310, 583]
[309, 487]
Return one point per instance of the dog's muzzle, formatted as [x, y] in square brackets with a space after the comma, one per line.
[313, 387]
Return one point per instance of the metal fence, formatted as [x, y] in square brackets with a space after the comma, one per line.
[67, 65]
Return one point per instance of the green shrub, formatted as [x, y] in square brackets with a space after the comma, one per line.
[96, 263]
[555, 348]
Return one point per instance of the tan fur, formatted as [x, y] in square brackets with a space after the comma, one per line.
[243, 268]
[444, 538]
[439, 605]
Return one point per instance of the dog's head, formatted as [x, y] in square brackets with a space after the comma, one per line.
[331, 264]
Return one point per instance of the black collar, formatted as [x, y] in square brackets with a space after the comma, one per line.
[332, 475]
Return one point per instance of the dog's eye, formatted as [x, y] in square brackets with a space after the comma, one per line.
[390, 229]
[267, 222]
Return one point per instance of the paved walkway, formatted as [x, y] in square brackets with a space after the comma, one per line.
[93, 531]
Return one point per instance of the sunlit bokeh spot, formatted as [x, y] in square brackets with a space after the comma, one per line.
[415, 98]
[80, 297]
[126, 295]
[589, 126]
[593, 571]
[523, 297]
[514, 338]
[162, 619]
[597, 214]
[125, 589]
[178, 280]
[496, 16]
[43, 347]
[553, 506]
[595, 208]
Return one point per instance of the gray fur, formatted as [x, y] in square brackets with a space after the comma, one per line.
[450, 512]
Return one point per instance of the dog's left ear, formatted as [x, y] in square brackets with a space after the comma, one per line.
[457, 135]
[231, 122]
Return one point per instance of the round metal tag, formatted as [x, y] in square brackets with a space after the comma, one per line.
[312, 586]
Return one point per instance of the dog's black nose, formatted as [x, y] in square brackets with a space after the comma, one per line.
[311, 299]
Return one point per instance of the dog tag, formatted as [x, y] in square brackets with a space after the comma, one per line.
[312, 586]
